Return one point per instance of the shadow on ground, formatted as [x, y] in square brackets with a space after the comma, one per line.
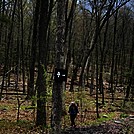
[112, 127]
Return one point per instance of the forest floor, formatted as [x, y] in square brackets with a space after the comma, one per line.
[118, 126]
[18, 116]
[21, 120]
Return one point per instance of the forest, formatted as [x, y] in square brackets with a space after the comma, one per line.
[53, 52]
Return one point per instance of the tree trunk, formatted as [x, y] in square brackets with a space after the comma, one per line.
[31, 90]
[97, 106]
[42, 64]
[113, 59]
[59, 64]
[7, 48]
[131, 69]
[103, 54]
[22, 45]
[92, 78]
[74, 76]
[2, 6]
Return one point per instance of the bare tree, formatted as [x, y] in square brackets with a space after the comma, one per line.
[7, 47]
[131, 74]
[33, 50]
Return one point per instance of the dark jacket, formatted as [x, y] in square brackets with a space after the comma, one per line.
[73, 109]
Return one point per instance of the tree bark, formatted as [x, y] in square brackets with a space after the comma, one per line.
[42, 64]
[31, 90]
[103, 54]
[57, 99]
[22, 44]
[131, 69]
[113, 58]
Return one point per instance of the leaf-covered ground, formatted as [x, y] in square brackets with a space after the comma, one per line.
[111, 127]
[109, 122]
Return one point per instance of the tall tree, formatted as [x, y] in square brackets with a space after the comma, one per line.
[7, 47]
[59, 64]
[69, 15]
[22, 43]
[131, 71]
[102, 55]
[33, 49]
[42, 64]
[113, 58]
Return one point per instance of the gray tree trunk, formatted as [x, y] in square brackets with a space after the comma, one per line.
[59, 64]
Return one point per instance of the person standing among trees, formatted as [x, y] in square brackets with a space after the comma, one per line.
[73, 111]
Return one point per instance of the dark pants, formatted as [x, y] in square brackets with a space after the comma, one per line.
[72, 118]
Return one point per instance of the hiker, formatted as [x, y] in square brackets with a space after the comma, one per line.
[73, 110]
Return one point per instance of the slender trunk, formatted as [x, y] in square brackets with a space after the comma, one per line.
[97, 33]
[97, 106]
[132, 65]
[96, 45]
[113, 59]
[74, 76]
[7, 48]
[68, 28]
[17, 58]
[2, 6]
[92, 78]
[87, 71]
[85, 60]
[31, 90]
[22, 46]
[103, 54]
[131, 77]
